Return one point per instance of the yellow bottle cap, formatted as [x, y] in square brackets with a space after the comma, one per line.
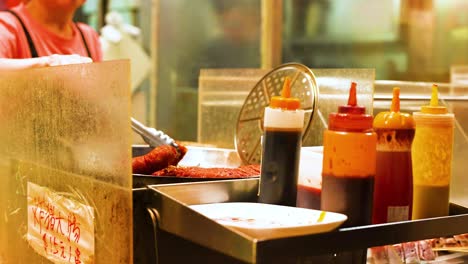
[434, 107]
[285, 101]
[394, 119]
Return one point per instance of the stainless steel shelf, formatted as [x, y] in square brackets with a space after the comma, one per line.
[167, 207]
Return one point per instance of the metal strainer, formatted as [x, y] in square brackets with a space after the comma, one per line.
[250, 121]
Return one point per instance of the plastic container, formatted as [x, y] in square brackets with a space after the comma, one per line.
[282, 141]
[349, 159]
[309, 185]
[432, 159]
[393, 192]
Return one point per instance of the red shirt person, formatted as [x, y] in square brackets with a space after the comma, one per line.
[7, 4]
[40, 28]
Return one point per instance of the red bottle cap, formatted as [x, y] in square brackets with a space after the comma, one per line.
[351, 117]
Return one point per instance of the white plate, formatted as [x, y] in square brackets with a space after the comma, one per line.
[265, 221]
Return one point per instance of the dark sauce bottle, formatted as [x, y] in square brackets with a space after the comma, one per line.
[282, 141]
[349, 166]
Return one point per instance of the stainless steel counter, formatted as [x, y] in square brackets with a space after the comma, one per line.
[167, 207]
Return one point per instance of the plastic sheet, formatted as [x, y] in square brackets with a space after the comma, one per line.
[66, 130]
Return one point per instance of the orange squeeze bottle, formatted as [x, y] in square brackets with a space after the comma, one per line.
[393, 192]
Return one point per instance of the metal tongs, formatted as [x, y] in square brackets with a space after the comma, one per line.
[152, 136]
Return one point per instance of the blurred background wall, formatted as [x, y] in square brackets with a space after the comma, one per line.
[408, 40]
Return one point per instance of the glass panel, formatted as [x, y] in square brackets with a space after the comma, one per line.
[414, 40]
[417, 40]
[65, 143]
[194, 35]
[223, 91]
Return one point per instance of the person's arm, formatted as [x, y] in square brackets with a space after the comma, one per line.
[52, 60]
[10, 30]
[17, 64]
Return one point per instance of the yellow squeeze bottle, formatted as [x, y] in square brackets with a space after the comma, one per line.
[432, 159]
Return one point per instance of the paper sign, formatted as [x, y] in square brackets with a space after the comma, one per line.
[59, 228]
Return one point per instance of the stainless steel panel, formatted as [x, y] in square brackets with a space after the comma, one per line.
[169, 203]
[175, 217]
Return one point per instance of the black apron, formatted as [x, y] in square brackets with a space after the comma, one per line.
[32, 48]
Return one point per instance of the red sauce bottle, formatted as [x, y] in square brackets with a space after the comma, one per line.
[348, 171]
[349, 153]
[393, 193]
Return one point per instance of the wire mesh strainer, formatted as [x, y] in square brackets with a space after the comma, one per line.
[250, 121]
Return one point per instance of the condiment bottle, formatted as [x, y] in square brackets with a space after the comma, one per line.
[282, 141]
[349, 160]
[348, 170]
[432, 159]
[393, 192]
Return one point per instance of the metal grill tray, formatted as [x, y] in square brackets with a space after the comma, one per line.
[196, 156]
[167, 206]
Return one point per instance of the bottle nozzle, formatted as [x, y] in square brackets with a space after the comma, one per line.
[286, 92]
[352, 107]
[352, 100]
[350, 117]
[434, 107]
[396, 100]
[394, 119]
[434, 96]
[285, 101]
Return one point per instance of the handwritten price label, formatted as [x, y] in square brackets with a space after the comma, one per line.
[60, 229]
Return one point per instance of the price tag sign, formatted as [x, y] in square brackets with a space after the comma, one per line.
[59, 228]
